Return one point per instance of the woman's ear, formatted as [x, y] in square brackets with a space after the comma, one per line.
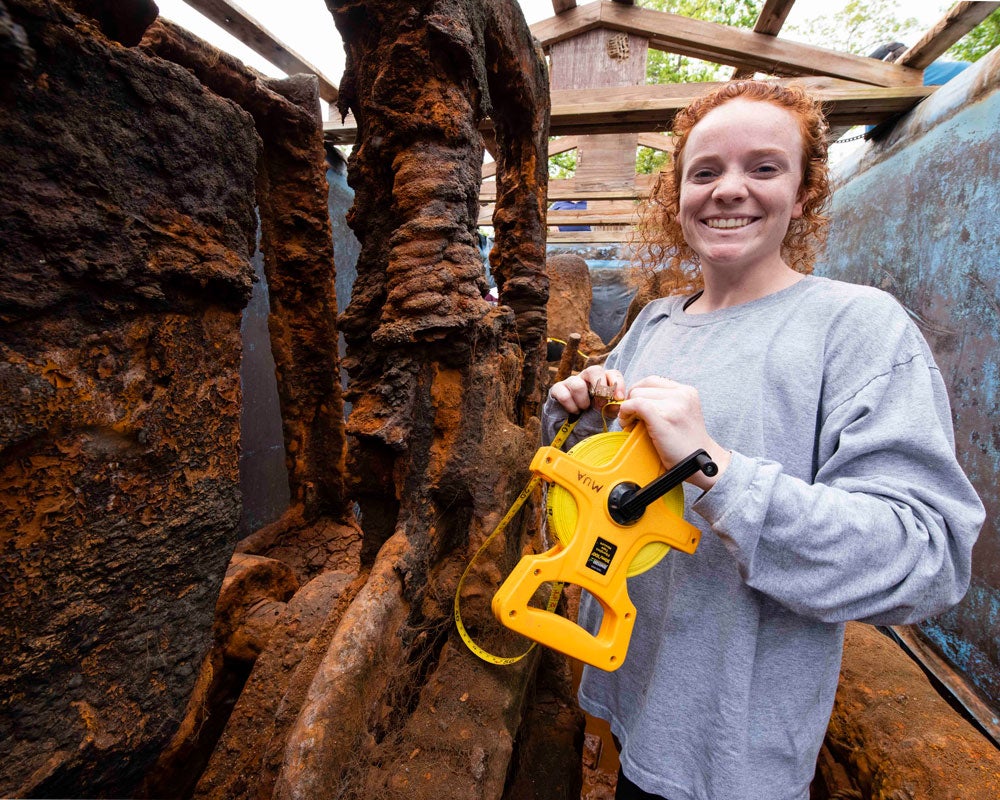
[800, 202]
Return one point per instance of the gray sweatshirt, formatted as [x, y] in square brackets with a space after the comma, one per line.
[843, 501]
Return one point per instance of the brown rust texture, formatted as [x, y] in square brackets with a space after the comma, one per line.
[299, 266]
[570, 298]
[897, 736]
[126, 226]
[266, 662]
[396, 707]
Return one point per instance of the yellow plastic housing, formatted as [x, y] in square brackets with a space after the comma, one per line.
[599, 553]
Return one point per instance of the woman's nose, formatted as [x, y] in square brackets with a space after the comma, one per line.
[730, 187]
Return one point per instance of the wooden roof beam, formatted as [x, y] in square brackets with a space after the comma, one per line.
[769, 22]
[561, 145]
[236, 21]
[591, 237]
[657, 141]
[568, 189]
[567, 23]
[723, 44]
[652, 108]
[599, 218]
[958, 21]
[560, 6]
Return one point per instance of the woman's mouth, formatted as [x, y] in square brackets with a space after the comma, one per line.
[722, 223]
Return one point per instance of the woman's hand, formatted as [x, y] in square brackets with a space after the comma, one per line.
[672, 414]
[593, 386]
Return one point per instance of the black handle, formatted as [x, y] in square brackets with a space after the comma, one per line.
[627, 502]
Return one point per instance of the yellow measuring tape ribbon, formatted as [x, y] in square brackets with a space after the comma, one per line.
[558, 441]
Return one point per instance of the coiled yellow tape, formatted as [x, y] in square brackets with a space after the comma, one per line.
[563, 515]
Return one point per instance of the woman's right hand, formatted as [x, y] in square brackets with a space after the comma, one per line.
[577, 392]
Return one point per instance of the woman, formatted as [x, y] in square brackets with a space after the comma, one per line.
[838, 495]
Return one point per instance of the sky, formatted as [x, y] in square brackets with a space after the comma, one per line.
[307, 27]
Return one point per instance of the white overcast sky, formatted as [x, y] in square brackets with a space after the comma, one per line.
[307, 27]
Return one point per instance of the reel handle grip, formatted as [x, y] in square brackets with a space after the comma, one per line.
[606, 650]
[629, 505]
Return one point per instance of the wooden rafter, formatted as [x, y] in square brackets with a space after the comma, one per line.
[958, 21]
[254, 35]
[723, 44]
[652, 108]
[772, 16]
[586, 217]
[769, 23]
[598, 236]
[657, 141]
[559, 6]
[569, 189]
[562, 145]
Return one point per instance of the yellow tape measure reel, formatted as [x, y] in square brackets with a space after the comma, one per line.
[615, 513]
[563, 513]
[615, 487]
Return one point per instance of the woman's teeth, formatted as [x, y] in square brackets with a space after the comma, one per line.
[733, 222]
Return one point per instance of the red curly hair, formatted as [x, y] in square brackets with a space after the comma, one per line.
[661, 247]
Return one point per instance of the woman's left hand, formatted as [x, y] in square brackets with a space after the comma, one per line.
[672, 414]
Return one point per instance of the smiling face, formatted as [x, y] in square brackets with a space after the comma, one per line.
[741, 179]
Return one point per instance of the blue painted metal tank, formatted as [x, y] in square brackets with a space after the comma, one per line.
[918, 214]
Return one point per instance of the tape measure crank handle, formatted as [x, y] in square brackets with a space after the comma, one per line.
[627, 502]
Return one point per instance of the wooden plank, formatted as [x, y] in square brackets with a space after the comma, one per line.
[769, 22]
[236, 21]
[723, 44]
[772, 16]
[652, 108]
[590, 237]
[646, 108]
[567, 24]
[958, 21]
[561, 6]
[573, 189]
[584, 217]
[657, 141]
[488, 194]
[561, 145]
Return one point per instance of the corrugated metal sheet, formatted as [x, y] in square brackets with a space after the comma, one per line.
[919, 215]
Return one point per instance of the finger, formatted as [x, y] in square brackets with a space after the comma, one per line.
[571, 394]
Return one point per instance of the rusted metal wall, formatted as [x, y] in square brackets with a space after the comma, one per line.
[918, 214]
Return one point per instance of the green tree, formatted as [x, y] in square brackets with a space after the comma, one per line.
[649, 160]
[562, 165]
[859, 27]
[979, 41]
[664, 67]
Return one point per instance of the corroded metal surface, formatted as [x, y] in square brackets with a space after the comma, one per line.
[919, 215]
[897, 735]
[126, 226]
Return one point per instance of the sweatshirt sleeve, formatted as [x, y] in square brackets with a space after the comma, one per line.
[883, 534]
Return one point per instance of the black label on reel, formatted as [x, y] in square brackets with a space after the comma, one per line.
[601, 556]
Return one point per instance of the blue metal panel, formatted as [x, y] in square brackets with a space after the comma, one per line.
[919, 216]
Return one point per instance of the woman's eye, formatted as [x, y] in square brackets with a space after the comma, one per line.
[766, 169]
[702, 174]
